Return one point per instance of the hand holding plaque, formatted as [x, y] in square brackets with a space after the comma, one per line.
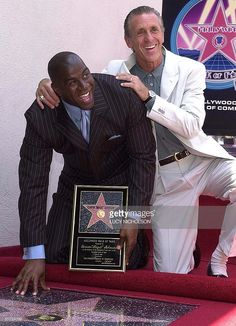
[96, 228]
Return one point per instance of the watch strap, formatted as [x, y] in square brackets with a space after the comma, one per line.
[148, 99]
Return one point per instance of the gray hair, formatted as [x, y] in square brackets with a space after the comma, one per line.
[139, 11]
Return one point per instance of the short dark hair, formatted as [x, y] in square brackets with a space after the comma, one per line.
[59, 61]
[139, 11]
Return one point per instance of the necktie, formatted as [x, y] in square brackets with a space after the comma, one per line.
[85, 124]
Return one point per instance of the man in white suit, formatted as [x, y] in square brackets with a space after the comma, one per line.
[189, 162]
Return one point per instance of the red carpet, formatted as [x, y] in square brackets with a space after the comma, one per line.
[193, 288]
[208, 313]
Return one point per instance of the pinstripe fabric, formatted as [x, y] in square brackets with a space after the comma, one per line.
[125, 160]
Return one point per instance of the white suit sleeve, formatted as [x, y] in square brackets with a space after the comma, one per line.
[187, 118]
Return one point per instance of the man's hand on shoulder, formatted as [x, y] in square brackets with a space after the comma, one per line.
[135, 83]
[32, 274]
[46, 95]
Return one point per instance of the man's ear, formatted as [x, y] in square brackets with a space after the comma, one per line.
[128, 42]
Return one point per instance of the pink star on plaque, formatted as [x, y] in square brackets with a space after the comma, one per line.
[219, 36]
[100, 212]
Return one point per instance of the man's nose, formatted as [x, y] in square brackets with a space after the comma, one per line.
[149, 35]
[82, 84]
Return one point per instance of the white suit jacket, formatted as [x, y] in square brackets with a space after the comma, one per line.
[180, 106]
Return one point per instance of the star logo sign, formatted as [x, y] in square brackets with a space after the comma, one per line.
[100, 212]
[218, 36]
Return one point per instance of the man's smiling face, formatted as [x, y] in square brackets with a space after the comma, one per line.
[75, 84]
[146, 37]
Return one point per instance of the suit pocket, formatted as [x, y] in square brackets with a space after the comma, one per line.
[113, 143]
[114, 137]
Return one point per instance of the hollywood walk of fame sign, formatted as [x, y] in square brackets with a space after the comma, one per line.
[63, 307]
[96, 223]
[205, 30]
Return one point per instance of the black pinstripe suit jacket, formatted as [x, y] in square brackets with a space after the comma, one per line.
[125, 160]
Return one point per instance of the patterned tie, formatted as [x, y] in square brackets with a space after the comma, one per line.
[85, 124]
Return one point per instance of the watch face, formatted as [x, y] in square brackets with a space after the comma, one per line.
[151, 93]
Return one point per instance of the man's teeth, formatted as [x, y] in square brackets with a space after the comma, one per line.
[85, 95]
[150, 47]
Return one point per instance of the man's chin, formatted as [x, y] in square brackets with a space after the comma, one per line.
[86, 106]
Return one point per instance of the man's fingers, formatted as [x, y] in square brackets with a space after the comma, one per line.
[127, 78]
[124, 76]
[13, 286]
[120, 243]
[128, 249]
[50, 104]
[25, 286]
[30, 275]
[129, 246]
[40, 103]
[22, 285]
[18, 283]
[35, 285]
[52, 95]
[47, 96]
[134, 83]
[43, 285]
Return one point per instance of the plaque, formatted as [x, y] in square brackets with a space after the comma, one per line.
[96, 222]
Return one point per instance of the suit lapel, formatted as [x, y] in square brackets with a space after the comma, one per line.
[98, 124]
[170, 76]
[67, 127]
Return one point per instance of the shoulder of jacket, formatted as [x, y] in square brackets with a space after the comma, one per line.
[115, 62]
[113, 67]
[111, 85]
[32, 109]
[105, 79]
[35, 111]
[184, 60]
[103, 76]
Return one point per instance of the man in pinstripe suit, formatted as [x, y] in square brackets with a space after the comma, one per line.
[121, 151]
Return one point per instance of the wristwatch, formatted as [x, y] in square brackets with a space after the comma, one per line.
[151, 94]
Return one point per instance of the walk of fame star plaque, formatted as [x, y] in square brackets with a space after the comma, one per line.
[96, 223]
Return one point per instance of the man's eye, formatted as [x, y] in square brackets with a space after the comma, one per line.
[155, 30]
[140, 31]
[86, 74]
[72, 83]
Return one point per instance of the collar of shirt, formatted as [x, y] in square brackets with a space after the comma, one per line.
[74, 113]
[156, 73]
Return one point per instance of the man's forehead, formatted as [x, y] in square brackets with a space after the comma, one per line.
[139, 21]
[75, 67]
